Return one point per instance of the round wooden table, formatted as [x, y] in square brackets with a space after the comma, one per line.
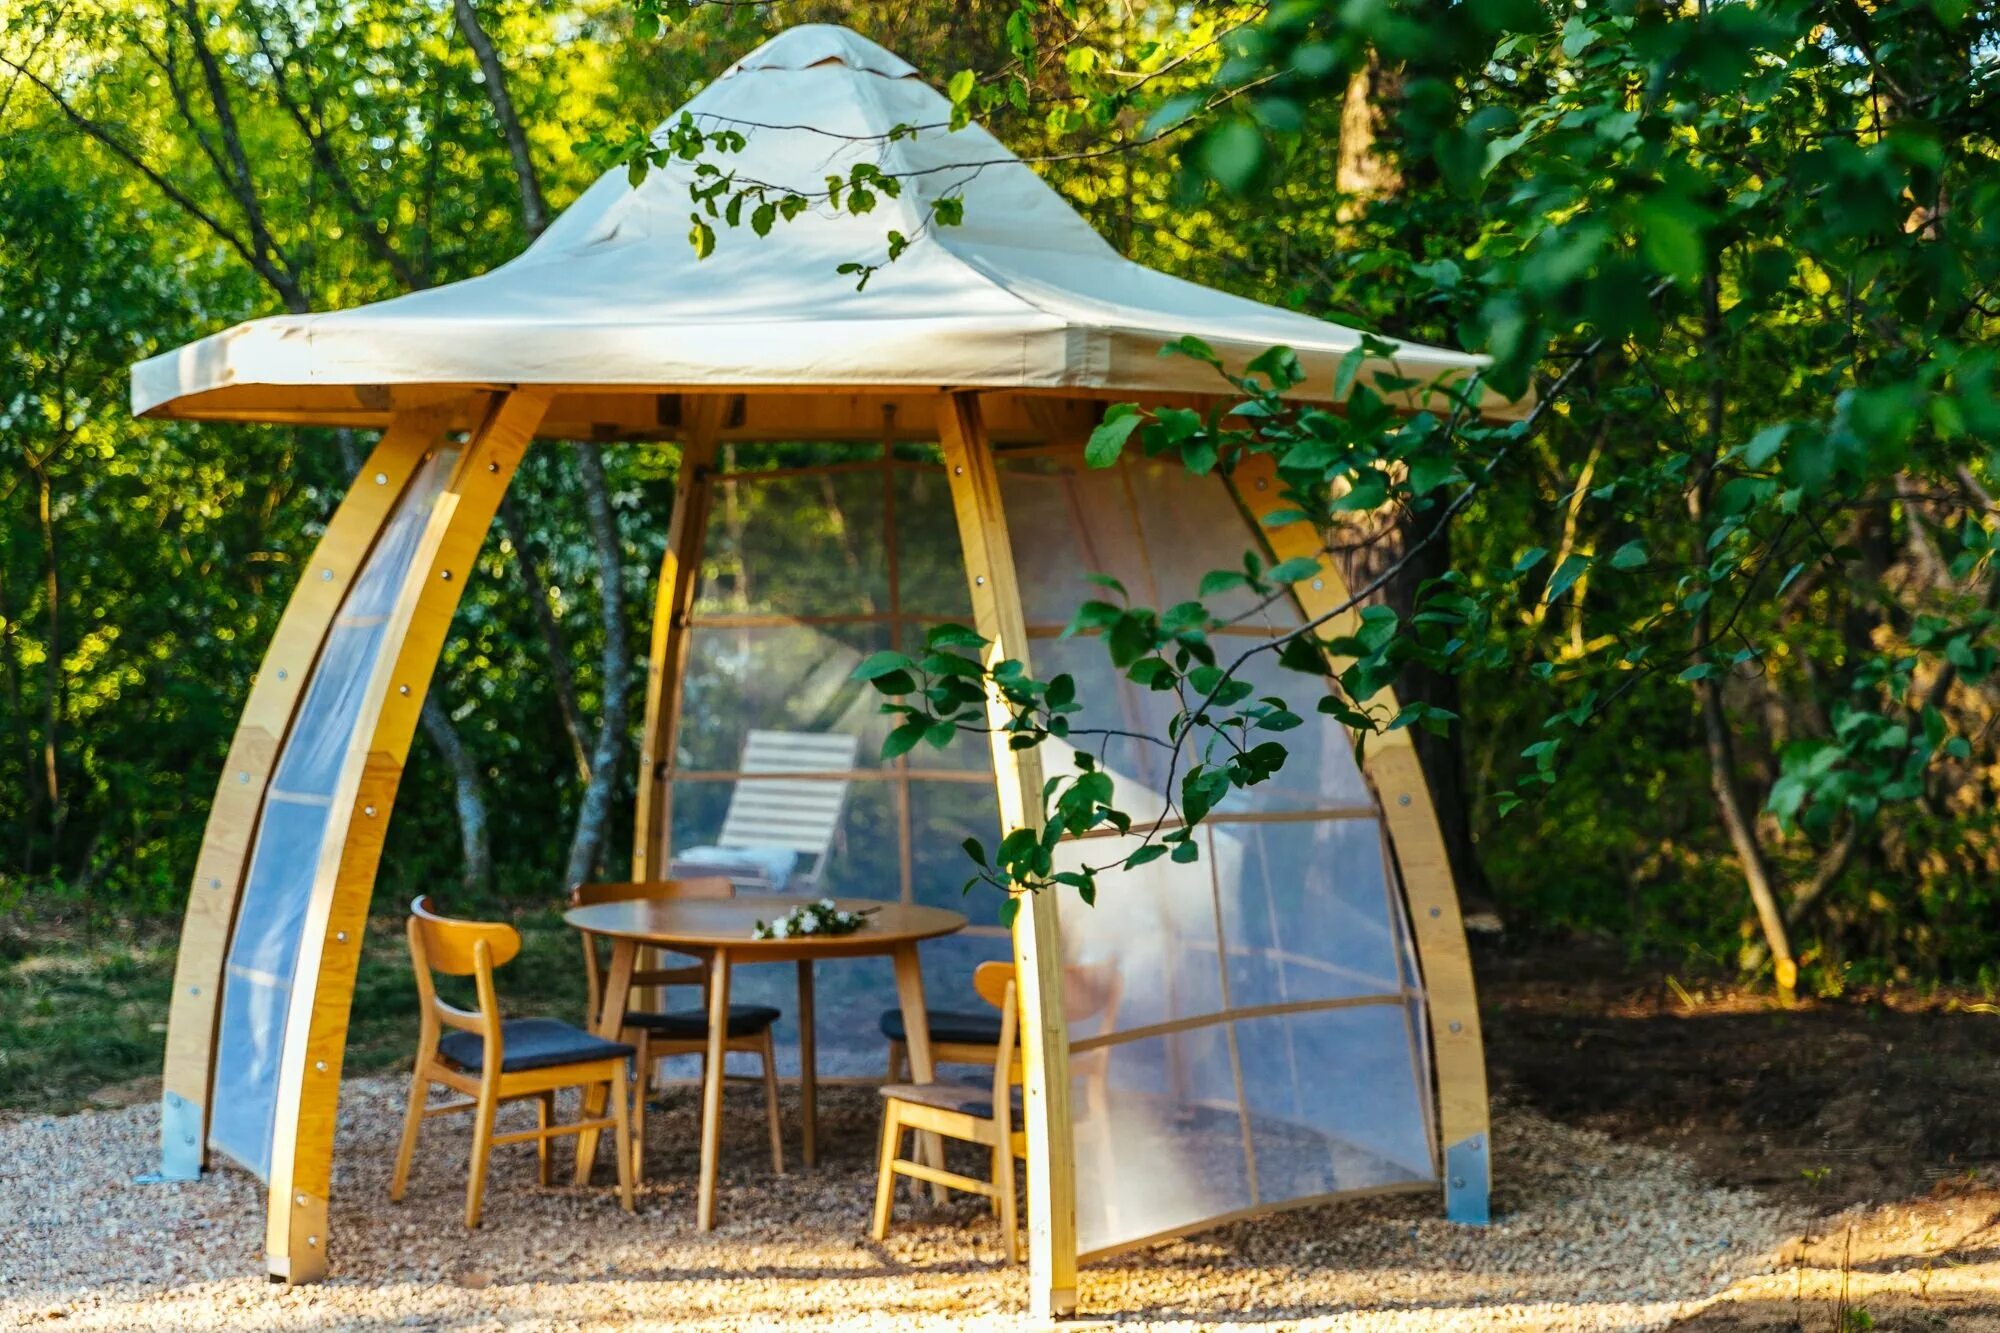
[718, 930]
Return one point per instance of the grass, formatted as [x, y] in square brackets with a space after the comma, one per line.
[83, 1019]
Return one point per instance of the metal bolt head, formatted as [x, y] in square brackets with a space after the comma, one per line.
[319, 1065]
[326, 576]
[1262, 484]
[300, 1199]
[403, 689]
[492, 467]
[368, 810]
[1437, 911]
[281, 673]
[194, 990]
[313, 1241]
[1404, 799]
[243, 776]
[381, 479]
[340, 936]
[1458, 1027]
[1319, 585]
[1458, 1182]
[979, 580]
[214, 883]
[958, 471]
[445, 574]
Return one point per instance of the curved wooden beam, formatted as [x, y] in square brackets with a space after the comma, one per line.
[997, 615]
[261, 731]
[337, 912]
[1390, 760]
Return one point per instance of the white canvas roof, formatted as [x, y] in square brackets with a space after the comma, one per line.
[1023, 294]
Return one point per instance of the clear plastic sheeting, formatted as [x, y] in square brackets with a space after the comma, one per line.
[291, 831]
[815, 556]
[1246, 1031]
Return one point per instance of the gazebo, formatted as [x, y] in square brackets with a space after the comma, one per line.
[1295, 1017]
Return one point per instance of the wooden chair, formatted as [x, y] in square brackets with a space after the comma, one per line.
[1090, 990]
[979, 1113]
[492, 1060]
[680, 1031]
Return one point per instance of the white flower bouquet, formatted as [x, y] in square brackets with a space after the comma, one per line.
[824, 917]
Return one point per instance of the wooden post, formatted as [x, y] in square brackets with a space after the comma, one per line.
[997, 615]
[337, 912]
[1390, 761]
[673, 602]
[239, 795]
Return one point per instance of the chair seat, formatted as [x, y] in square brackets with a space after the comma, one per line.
[949, 1025]
[745, 1020]
[974, 1099]
[532, 1043]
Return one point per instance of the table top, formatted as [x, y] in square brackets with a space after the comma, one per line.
[726, 923]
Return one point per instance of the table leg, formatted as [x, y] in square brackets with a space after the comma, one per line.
[711, 1087]
[917, 1036]
[808, 1067]
[609, 1024]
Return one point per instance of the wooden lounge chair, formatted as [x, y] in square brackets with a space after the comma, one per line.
[680, 1031]
[979, 1113]
[778, 833]
[492, 1060]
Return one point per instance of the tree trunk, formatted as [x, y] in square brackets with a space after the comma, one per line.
[534, 209]
[561, 679]
[587, 845]
[1366, 172]
[469, 790]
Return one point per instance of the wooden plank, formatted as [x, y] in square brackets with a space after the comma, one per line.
[997, 615]
[330, 938]
[1390, 761]
[267, 716]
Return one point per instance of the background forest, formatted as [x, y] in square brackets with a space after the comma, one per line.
[1758, 257]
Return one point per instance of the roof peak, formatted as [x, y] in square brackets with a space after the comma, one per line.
[810, 44]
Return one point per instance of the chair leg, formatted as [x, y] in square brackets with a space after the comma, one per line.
[643, 1085]
[482, 1147]
[896, 1049]
[413, 1121]
[621, 1111]
[770, 1051]
[885, 1181]
[1003, 1198]
[545, 1114]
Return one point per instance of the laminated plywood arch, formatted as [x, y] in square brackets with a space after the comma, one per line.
[1437, 928]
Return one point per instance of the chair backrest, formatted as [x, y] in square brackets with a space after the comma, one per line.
[995, 984]
[801, 814]
[708, 887]
[459, 949]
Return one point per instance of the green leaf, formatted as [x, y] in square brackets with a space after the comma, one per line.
[1295, 570]
[1108, 440]
[881, 664]
[1567, 573]
[1629, 556]
[904, 738]
[977, 851]
[1231, 154]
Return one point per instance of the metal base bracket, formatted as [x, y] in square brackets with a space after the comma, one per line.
[1468, 1181]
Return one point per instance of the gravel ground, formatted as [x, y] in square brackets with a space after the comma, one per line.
[1591, 1235]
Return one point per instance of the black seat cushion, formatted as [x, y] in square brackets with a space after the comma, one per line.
[949, 1025]
[974, 1099]
[745, 1020]
[532, 1043]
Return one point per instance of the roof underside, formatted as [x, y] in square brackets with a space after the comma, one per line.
[1023, 295]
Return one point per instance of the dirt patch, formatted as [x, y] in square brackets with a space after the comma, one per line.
[1865, 1099]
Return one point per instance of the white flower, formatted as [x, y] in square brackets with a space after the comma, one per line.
[807, 925]
[781, 928]
[828, 904]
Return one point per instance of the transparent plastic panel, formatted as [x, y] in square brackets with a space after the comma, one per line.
[789, 678]
[291, 830]
[1336, 1100]
[795, 545]
[1152, 928]
[1190, 525]
[942, 816]
[1306, 912]
[1159, 1136]
[1065, 525]
[930, 562]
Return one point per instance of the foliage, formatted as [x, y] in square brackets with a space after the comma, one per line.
[1743, 255]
